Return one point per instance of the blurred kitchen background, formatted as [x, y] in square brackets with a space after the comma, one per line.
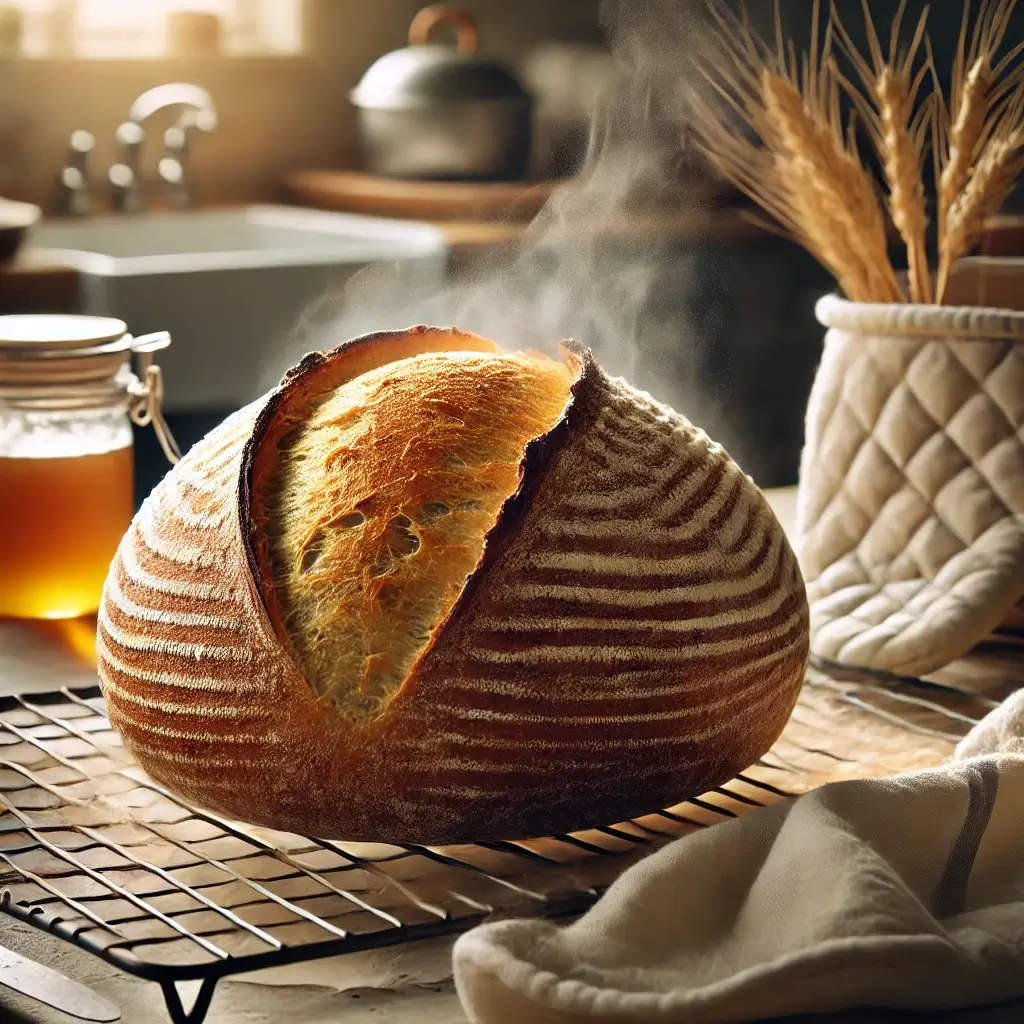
[605, 228]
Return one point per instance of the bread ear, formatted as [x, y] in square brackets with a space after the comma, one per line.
[317, 375]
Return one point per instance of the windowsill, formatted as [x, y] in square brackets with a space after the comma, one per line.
[234, 59]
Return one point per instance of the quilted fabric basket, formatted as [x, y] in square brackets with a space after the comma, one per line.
[910, 514]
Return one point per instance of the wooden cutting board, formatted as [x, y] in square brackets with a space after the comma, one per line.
[476, 215]
[357, 192]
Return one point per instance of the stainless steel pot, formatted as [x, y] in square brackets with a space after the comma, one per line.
[434, 111]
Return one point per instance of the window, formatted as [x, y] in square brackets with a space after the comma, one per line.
[144, 28]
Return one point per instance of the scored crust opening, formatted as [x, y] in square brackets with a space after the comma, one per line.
[381, 503]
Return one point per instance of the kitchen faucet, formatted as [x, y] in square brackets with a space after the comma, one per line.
[73, 181]
[197, 113]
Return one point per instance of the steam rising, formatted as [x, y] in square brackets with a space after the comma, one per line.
[588, 268]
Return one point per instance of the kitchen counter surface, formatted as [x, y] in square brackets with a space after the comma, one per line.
[32, 284]
[54, 654]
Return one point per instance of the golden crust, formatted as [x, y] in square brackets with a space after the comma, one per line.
[383, 498]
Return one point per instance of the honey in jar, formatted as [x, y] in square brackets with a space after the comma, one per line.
[67, 401]
[61, 520]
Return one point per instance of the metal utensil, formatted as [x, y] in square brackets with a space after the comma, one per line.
[433, 111]
[53, 989]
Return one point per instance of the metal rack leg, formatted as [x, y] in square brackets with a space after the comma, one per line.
[199, 1008]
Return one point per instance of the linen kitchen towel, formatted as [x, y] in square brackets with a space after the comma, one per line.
[905, 892]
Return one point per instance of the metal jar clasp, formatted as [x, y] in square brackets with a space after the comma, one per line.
[146, 391]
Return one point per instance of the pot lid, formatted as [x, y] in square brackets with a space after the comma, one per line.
[424, 72]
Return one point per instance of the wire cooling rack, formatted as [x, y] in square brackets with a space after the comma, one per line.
[96, 853]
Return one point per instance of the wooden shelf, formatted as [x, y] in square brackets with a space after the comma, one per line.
[480, 214]
[30, 284]
[356, 192]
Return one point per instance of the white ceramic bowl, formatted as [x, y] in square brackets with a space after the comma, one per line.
[15, 221]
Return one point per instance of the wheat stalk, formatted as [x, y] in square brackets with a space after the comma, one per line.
[801, 169]
[805, 171]
[975, 141]
[833, 195]
[903, 155]
[899, 135]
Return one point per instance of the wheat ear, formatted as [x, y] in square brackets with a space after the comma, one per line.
[822, 229]
[994, 175]
[965, 136]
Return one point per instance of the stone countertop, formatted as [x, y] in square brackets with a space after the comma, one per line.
[47, 655]
[235, 1003]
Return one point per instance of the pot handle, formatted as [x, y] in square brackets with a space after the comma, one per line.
[429, 18]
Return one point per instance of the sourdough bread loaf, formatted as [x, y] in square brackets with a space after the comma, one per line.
[429, 591]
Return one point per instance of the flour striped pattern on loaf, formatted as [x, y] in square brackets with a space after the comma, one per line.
[175, 653]
[667, 631]
[636, 633]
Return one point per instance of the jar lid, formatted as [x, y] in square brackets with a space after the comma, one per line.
[41, 349]
[58, 330]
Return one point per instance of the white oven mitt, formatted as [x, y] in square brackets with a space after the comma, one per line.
[910, 509]
[906, 893]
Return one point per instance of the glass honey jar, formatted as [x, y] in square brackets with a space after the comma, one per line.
[68, 398]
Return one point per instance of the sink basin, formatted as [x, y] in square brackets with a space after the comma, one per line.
[232, 286]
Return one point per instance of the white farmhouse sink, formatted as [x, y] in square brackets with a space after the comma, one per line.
[232, 285]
